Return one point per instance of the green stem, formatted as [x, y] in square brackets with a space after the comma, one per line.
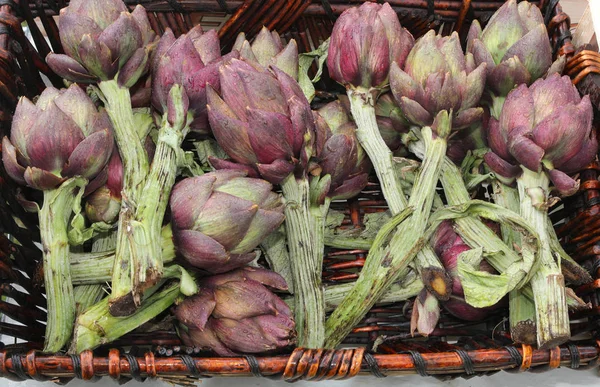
[97, 268]
[367, 132]
[97, 326]
[89, 294]
[382, 267]
[521, 308]
[153, 203]
[548, 282]
[334, 294]
[54, 218]
[305, 261]
[135, 168]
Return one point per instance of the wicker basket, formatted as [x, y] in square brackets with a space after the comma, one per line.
[454, 349]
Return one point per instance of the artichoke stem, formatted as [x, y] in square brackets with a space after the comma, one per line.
[54, 219]
[97, 268]
[153, 203]
[367, 132]
[135, 168]
[305, 262]
[335, 294]
[522, 317]
[89, 294]
[521, 307]
[547, 283]
[97, 326]
[383, 266]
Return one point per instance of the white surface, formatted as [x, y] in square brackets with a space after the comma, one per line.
[559, 378]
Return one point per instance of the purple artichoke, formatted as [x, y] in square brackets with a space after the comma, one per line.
[514, 44]
[61, 136]
[236, 313]
[267, 49]
[448, 245]
[103, 204]
[338, 153]
[102, 38]
[391, 122]
[262, 121]
[437, 76]
[220, 217]
[545, 126]
[192, 61]
[364, 43]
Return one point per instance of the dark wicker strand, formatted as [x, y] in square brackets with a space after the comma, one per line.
[18, 366]
[254, 367]
[373, 366]
[134, 367]
[467, 362]
[515, 355]
[77, 366]
[575, 356]
[420, 365]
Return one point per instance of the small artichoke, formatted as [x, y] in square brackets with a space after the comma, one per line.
[102, 38]
[263, 121]
[437, 76]
[364, 43]
[192, 61]
[391, 122]
[545, 126]
[338, 154]
[514, 44]
[448, 245]
[61, 136]
[103, 204]
[267, 50]
[220, 217]
[236, 313]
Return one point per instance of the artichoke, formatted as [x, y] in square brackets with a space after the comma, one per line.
[100, 39]
[437, 76]
[220, 217]
[391, 122]
[514, 44]
[546, 126]
[365, 41]
[192, 61]
[448, 245]
[267, 49]
[61, 136]
[338, 153]
[236, 313]
[262, 121]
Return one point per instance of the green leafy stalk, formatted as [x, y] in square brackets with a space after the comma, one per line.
[547, 283]
[514, 269]
[383, 266]
[305, 258]
[521, 308]
[97, 326]
[54, 219]
[367, 132]
[154, 199]
[135, 168]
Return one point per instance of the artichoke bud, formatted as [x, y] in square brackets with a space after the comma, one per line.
[447, 82]
[364, 43]
[532, 128]
[220, 217]
[236, 313]
[262, 121]
[100, 39]
[514, 44]
[61, 136]
[267, 49]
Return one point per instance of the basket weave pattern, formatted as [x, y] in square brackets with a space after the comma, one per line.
[383, 342]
